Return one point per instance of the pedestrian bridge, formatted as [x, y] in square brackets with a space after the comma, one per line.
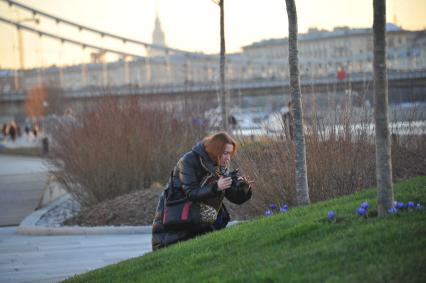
[409, 82]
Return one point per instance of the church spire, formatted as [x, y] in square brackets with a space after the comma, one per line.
[395, 19]
[158, 34]
[158, 37]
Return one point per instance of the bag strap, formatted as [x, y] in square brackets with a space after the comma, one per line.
[167, 192]
[166, 201]
[171, 179]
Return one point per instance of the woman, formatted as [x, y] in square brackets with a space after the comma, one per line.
[201, 176]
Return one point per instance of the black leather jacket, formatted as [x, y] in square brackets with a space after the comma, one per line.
[191, 173]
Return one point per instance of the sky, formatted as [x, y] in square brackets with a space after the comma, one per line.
[191, 25]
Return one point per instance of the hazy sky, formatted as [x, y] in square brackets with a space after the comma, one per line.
[191, 25]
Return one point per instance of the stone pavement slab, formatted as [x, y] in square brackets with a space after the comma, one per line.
[12, 165]
[20, 196]
[22, 180]
[54, 258]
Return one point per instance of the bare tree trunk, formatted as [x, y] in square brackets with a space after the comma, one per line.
[383, 142]
[222, 67]
[302, 189]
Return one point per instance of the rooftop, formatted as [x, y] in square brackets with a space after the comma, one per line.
[314, 34]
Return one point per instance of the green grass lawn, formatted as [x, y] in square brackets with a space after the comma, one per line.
[298, 246]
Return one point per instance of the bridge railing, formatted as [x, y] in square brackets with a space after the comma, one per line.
[212, 86]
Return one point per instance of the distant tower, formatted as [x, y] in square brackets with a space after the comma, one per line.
[395, 19]
[158, 38]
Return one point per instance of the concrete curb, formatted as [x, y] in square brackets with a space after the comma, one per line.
[28, 226]
[77, 230]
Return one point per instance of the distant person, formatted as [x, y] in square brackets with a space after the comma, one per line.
[288, 121]
[35, 130]
[27, 129]
[4, 131]
[341, 74]
[68, 117]
[12, 131]
[233, 123]
[201, 176]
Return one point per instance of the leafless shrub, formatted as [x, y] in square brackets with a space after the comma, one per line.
[118, 147]
[340, 157]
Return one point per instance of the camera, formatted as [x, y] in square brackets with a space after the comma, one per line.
[235, 174]
[240, 190]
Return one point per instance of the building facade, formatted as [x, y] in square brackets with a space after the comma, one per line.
[321, 54]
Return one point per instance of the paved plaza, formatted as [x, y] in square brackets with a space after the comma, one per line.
[49, 258]
[54, 258]
[22, 180]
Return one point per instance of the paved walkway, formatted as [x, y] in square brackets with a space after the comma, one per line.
[49, 258]
[54, 258]
[22, 180]
[13, 164]
[23, 141]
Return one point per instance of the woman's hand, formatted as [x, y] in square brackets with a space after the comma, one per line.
[224, 183]
[246, 179]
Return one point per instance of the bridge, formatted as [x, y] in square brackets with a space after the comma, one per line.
[413, 84]
[403, 87]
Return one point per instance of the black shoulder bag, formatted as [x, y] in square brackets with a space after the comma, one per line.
[183, 213]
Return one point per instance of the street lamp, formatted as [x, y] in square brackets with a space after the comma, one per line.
[21, 48]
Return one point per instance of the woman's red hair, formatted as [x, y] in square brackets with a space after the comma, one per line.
[215, 145]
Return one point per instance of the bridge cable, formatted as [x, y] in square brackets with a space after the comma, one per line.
[101, 33]
[64, 39]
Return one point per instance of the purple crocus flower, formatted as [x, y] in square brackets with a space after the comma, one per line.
[272, 206]
[419, 206]
[284, 208]
[361, 211]
[411, 204]
[400, 205]
[268, 213]
[392, 210]
[331, 214]
[364, 205]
